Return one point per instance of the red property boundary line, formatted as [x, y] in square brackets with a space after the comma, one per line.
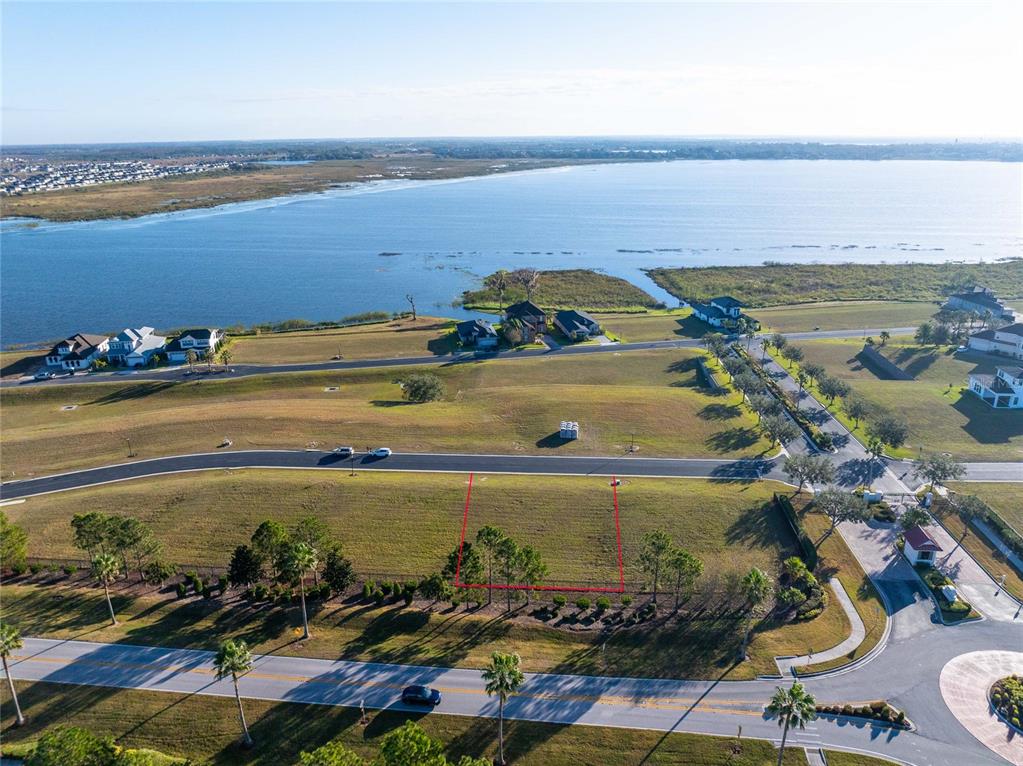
[568, 588]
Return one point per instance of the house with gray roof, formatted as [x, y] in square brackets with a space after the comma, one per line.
[981, 301]
[1003, 390]
[722, 311]
[1003, 341]
[135, 347]
[201, 340]
[576, 325]
[477, 332]
[77, 352]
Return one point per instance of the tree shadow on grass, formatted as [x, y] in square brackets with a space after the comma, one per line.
[732, 440]
[720, 412]
[391, 403]
[759, 527]
[135, 391]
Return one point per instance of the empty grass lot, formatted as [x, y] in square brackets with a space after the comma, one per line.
[405, 524]
[167, 722]
[1004, 498]
[843, 315]
[397, 338]
[513, 406]
[408, 527]
[942, 416]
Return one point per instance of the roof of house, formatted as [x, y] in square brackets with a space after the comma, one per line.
[524, 309]
[199, 333]
[1012, 372]
[987, 300]
[575, 321]
[992, 383]
[727, 302]
[80, 342]
[475, 327]
[150, 342]
[984, 335]
[918, 538]
[709, 311]
[1012, 329]
[131, 335]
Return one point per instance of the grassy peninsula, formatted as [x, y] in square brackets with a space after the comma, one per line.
[568, 288]
[781, 284]
[164, 195]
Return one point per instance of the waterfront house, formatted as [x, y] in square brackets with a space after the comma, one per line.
[77, 352]
[528, 317]
[577, 325]
[1005, 341]
[1003, 390]
[135, 347]
[202, 341]
[920, 547]
[477, 332]
[982, 302]
[722, 311]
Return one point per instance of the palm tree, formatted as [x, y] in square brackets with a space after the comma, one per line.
[302, 559]
[755, 587]
[234, 659]
[885, 336]
[105, 568]
[795, 706]
[226, 356]
[503, 678]
[191, 357]
[10, 639]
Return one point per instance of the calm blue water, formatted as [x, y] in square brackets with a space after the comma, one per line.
[319, 257]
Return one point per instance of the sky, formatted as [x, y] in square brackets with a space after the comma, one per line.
[145, 71]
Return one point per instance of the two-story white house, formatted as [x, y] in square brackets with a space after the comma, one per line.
[723, 311]
[135, 347]
[77, 352]
[1004, 390]
[202, 341]
[1005, 341]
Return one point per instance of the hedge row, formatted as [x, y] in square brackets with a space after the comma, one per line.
[809, 556]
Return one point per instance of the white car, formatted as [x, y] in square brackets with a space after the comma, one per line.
[344, 451]
[44, 375]
[381, 452]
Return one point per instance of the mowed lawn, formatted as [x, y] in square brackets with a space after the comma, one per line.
[167, 723]
[510, 406]
[405, 524]
[397, 338]
[843, 315]
[673, 324]
[942, 415]
[1005, 498]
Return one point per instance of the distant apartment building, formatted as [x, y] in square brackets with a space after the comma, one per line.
[982, 302]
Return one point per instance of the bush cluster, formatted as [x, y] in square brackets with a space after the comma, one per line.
[1007, 698]
[878, 710]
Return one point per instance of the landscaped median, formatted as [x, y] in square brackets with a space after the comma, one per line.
[1007, 699]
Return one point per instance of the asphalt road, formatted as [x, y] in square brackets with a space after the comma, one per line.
[695, 706]
[243, 370]
[622, 465]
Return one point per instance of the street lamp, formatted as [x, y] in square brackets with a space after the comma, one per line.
[131, 452]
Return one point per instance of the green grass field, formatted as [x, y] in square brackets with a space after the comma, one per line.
[397, 338]
[843, 315]
[512, 406]
[407, 523]
[782, 284]
[206, 728]
[569, 288]
[942, 417]
[1004, 498]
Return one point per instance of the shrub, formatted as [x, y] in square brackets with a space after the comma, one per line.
[603, 604]
[626, 600]
[422, 387]
[325, 593]
[409, 593]
[207, 591]
[158, 572]
[260, 592]
[847, 710]
[222, 583]
[791, 596]
[35, 568]
[379, 597]
[367, 590]
[559, 601]
[582, 603]
[182, 590]
[196, 583]
[19, 569]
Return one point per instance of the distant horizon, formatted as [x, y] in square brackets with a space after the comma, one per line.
[752, 138]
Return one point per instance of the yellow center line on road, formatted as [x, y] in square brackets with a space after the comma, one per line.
[735, 707]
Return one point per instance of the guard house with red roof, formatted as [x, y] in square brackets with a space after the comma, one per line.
[920, 547]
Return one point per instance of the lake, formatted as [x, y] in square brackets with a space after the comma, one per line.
[346, 251]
